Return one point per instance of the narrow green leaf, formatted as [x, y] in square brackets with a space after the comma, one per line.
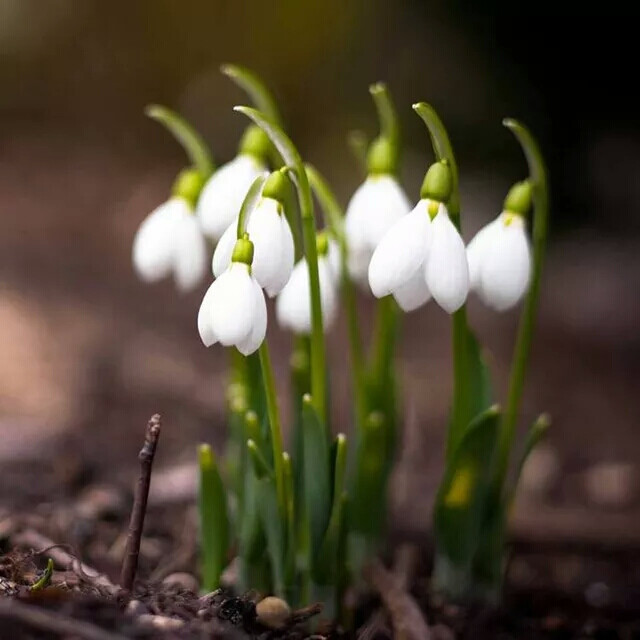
[186, 135]
[259, 464]
[214, 520]
[249, 203]
[316, 469]
[44, 580]
[257, 90]
[461, 501]
[536, 433]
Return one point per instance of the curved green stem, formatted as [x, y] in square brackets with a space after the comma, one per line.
[186, 135]
[538, 173]
[384, 339]
[305, 200]
[389, 126]
[383, 156]
[274, 423]
[249, 203]
[335, 216]
[462, 408]
[255, 88]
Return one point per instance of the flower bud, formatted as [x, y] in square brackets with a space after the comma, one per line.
[188, 185]
[382, 157]
[518, 199]
[255, 142]
[322, 243]
[276, 187]
[437, 183]
[243, 251]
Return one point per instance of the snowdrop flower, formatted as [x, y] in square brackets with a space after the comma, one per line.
[423, 255]
[293, 306]
[500, 253]
[233, 311]
[169, 240]
[271, 235]
[375, 206]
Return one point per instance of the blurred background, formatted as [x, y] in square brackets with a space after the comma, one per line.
[88, 353]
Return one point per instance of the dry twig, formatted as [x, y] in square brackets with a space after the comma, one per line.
[132, 551]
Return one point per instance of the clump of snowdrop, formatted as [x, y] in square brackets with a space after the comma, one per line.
[422, 255]
[224, 192]
[272, 238]
[233, 311]
[169, 241]
[500, 253]
[293, 306]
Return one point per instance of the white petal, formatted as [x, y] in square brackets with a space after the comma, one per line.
[154, 242]
[401, 252]
[413, 293]
[446, 269]
[293, 307]
[375, 206]
[506, 268]
[259, 330]
[232, 305]
[222, 196]
[287, 256]
[207, 334]
[335, 260]
[224, 250]
[476, 250]
[265, 231]
[191, 260]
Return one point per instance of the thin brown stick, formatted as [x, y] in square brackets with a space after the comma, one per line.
[51, 622]
[134, 535]
[406, 618]
[58, 553]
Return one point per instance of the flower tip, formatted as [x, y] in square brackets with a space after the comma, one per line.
[377, 87]
[228, 69]
[494, 409]
[307, 399]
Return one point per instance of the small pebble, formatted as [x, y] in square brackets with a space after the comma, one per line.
[183, 580]
[163, 623]
[273, 612]
[611, 484]
[136, 608]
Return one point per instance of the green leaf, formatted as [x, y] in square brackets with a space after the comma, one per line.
[461, 501]
[186, 135]
[316, 469]
[259, 463]
[257, 90]
[214, 520]
[249, 203]
[44, 580]
[536, 433]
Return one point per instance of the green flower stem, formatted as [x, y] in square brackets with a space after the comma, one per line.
[293, 160]
[461, 409]
[538, 173]
[384, 339]
[249, 203]
[275, 425]
[334, 216]
[255, 88]
[186, 135]
[383, 155]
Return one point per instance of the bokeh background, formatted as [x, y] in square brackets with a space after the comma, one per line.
[87, 352]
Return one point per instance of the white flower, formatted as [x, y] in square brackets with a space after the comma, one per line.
[169, 241]
[293, 306]
[499, 259]
[233, 311]
[375, 206]
[419, 258]
[222, 196]
[272, 239]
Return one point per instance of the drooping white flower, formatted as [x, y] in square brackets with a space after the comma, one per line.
[224, 192]
[499, 259]
[273, 245]
[420, 258]
[169, 241]
[233, 311]
[293, 306]
[375, 206]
